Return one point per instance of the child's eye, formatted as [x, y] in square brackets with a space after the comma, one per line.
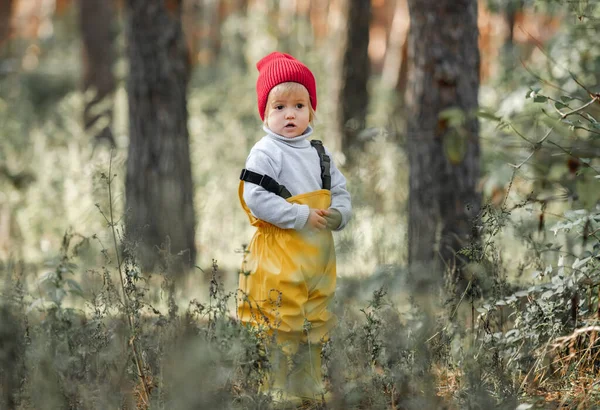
[299, 105]
[279, 107]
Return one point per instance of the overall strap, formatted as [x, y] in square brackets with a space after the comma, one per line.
[266, 182]
[325, 163]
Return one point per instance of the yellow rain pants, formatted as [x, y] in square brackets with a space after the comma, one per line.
[288, 278]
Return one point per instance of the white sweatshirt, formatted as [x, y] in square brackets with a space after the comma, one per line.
[292, 162]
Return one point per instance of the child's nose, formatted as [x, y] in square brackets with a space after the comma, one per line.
[289, 114]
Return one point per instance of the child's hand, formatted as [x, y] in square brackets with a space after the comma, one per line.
[332, 216]
[316, 221]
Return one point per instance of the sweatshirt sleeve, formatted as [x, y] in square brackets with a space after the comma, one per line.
[340, 197]
[266, 205]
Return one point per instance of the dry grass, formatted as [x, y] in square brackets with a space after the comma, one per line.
[572, 377]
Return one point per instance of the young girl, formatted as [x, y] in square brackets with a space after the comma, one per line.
[295, 195]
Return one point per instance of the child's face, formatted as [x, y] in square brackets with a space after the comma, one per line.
[288, 111]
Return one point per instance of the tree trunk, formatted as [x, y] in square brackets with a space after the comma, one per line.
[353, 97]
[5, 19]
[211, 29]
[394, 56]
[512, 9]
[159, 192]
[443, 146]
[96, 19]
[332, 62]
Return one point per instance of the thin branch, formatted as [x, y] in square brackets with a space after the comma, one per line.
[591, 94]
[519, 134]
[536, 147]
[573, 76]
[524, 161]
[577, 112]
[539, 78]
[564, 115]
[585, 164]
[588, 130]
[540, 46]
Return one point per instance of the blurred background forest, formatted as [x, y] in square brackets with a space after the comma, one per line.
[64, 87]
[468, 131]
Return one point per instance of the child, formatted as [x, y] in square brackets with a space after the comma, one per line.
[295, 195]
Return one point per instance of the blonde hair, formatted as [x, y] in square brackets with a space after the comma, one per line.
[284, 90]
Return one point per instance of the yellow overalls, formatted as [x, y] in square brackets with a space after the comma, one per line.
[289, 281]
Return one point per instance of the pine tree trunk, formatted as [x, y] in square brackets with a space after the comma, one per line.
[353, 97]
[5, 19]
[443, 148]
[513, 8]
[96, 18]
[394, 53]
[159, 192]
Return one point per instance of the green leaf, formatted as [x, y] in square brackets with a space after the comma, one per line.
[455, 146]
[566, 98]
[559, 105]
[454, 115]
[532, 92]
[579, 263]
[540, 98]
[487, 115]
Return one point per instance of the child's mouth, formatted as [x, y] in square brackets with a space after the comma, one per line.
[290, 126]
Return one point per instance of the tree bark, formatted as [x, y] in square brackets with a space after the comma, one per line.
[96, 19]
[159, 191]
[5, 19]
[443, 147]
[353, 97]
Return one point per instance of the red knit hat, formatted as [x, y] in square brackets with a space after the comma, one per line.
[277, 68]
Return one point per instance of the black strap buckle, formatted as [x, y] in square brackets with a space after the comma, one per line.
[325, 163]
[266, 182]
